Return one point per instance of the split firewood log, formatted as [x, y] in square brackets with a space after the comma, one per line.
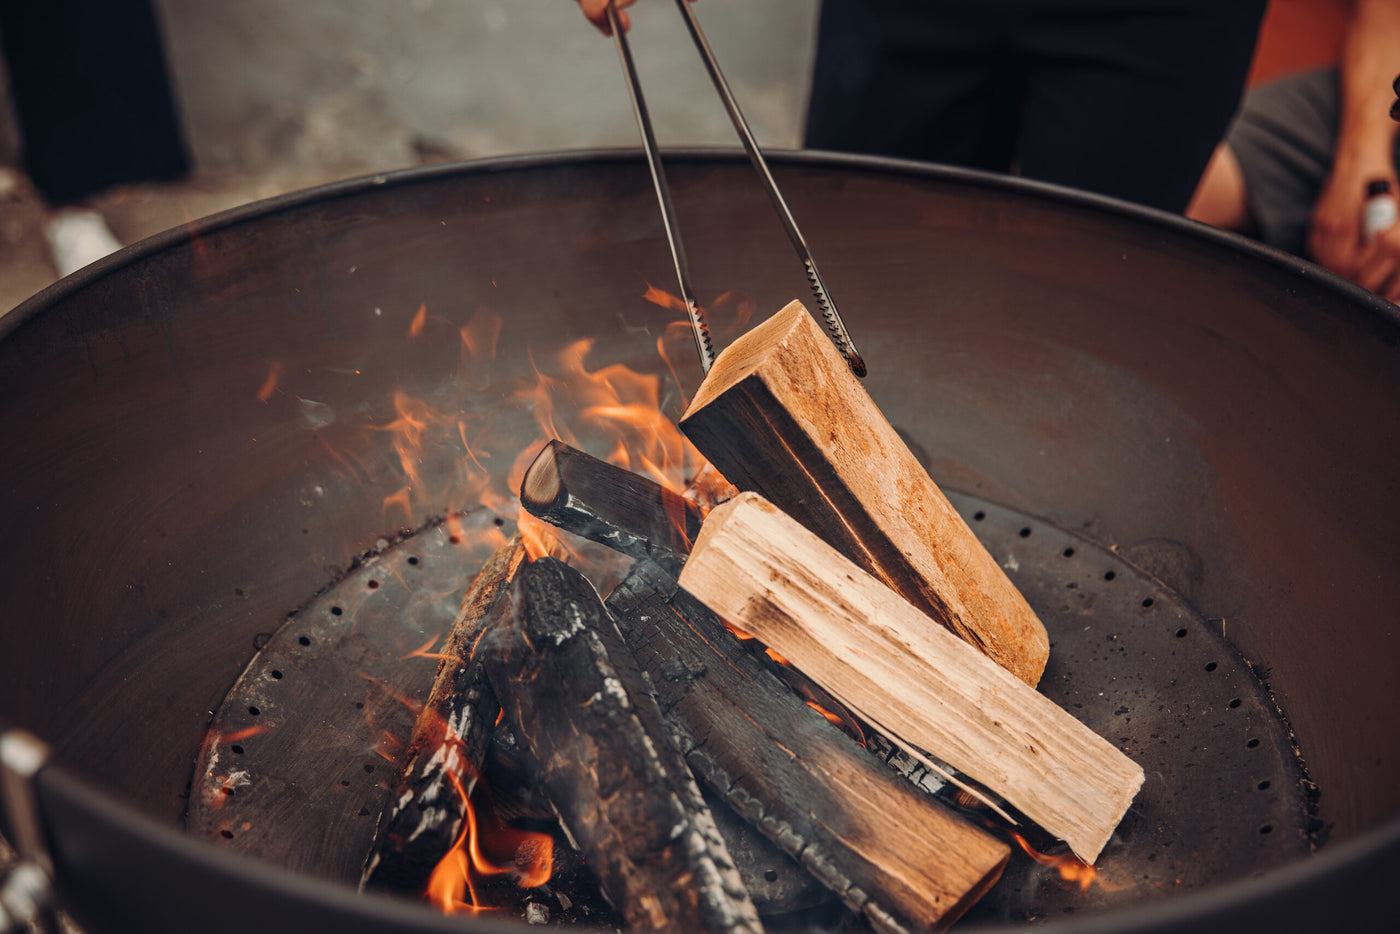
[918, 684]
[780, 413]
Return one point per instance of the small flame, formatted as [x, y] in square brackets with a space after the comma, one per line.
[245, 733]
[664, 299]
[540, 538]
[486, 847]
[400, 499]
[420, 320]
[415, 707]
[422, 652]
[269, 386]
[481, 334]
[736, 631]
[1069, 866]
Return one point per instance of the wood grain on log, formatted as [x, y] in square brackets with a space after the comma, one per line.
[624, 795]
[918, 684]
[448, 744]
[781, 413]
[889, 851]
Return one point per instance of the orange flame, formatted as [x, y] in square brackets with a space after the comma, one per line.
[415, 328]
[401, 499]
[269, 386]
[540, 538]
[481, 333]
[422, 652]
[236, 735]
[1069, 866]
[486, 847]
[664, 299]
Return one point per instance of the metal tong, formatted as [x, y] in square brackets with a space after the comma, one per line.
[832, 318]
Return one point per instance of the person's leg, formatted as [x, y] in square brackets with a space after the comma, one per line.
[91, 95]
[1129, 99]
[1222, 198]
[919, 79]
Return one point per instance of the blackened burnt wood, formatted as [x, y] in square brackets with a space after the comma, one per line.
[918, 684]
[624, 795]
[888, 851]
[609, 505]
[780, 413]
[445, 753]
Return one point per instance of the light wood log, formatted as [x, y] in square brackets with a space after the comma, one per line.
[625, 796]
[888, 851]
[449, 742]
[609, 505]
[780, 413]
[762, 571]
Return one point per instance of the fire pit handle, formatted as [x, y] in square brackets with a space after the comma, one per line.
[26, 886]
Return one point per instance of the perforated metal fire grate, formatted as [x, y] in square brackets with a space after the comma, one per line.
[299, 759]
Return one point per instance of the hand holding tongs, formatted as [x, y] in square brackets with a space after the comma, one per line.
[834, 326]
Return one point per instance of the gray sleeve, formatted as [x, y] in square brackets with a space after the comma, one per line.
[1283, 138]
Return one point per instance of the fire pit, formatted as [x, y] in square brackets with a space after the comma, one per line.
[200, 452]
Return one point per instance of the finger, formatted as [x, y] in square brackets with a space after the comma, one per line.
[1376, 271]
[1392, 289]
[597, 13]
[1344, 255]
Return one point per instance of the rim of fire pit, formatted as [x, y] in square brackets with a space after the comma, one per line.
[110, 846]
[186, 233]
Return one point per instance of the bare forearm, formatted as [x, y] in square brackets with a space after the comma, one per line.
[1370, 62]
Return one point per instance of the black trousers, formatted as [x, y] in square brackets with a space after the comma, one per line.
[91, 96]
[1123, 97]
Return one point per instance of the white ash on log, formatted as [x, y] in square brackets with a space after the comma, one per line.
[449, 741]
[623, 794]
[608, 504]
[780, 413]
[916, 683]
[890, 852]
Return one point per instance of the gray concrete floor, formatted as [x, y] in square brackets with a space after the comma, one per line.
[277, 95]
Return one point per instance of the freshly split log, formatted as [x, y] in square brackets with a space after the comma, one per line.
[889, 851]
[609, 505]
[445, 753]
[622, 792]
[780, 413]
[918, 684]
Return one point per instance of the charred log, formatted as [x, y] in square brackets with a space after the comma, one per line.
[623, 794]
[888, 851]
[609, 505]
[449, 742]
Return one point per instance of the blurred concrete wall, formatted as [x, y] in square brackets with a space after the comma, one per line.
[359, 85]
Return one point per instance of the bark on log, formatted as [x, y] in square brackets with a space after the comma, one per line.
[781, 413]
[916, 683]
[448, 744]
[623, 794]
[609, 505]
[888, 851]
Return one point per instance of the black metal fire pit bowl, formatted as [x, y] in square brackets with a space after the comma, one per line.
[194, 451]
